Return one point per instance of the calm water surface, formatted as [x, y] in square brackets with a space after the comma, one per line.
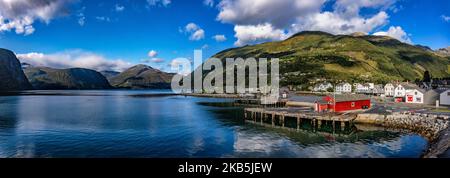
[140, 124]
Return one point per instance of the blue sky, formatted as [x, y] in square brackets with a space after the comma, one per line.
[120, 33]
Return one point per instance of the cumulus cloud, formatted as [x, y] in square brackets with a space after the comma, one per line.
[73, 59]
[20, 15]
[119, 8]
[395, 32]
[209, 3]
[445, 18]
[266, 20]
[219, 38]
[257, 33]
[152, 53]
[159, 2]
[280, 13]
[196, 33]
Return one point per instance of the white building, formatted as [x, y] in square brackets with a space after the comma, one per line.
[399, 91]
[444, 98]
[389, 90]
[343, 88]
[414, 95]
[362, 88]
[322, 87]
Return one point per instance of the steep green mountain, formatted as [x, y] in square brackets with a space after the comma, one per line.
[44, 78]
[141, 77]
[11, 74]
[308, 56]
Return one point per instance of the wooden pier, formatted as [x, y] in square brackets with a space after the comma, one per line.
[279, 117]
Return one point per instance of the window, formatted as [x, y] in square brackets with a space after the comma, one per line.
[353, 104]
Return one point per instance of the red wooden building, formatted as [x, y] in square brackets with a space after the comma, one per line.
[344, 103]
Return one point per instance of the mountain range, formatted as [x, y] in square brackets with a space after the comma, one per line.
[305, 58]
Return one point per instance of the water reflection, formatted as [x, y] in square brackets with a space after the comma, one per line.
[119, 124]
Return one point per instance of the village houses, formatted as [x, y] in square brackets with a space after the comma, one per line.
[323, 87]
[344, 88]
[389, 90]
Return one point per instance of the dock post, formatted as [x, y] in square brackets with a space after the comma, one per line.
[282, 120]
[319, 124]
[334, 126]
[343, 125]
[298, 123]
[245, 115]
[314, 124]
[273, 120]
[262, 117]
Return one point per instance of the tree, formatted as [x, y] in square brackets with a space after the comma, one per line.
[426, 76]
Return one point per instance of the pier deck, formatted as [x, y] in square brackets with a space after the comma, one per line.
[282, 116]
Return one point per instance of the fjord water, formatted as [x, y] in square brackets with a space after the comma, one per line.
[122, 123]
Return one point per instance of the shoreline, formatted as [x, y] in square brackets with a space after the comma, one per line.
[438, 146]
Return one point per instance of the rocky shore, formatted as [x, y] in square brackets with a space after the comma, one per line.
[428, 125]
[439, 146]
[434, 127]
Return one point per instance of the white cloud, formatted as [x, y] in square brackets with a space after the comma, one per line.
[247, 34]
[119, 8]
[205, 46]
[196, 33]
[82, 20]
[219, 38]
[152, 54]
[209, 3]
[337, 24]
[81, 16]
[267, 20]
[279, 13]
[159, 2]
[76, 58]
[102, 18]
[445, 18]
[395, 32]
[20, 15]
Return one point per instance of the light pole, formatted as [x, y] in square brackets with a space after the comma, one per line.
[334, 99]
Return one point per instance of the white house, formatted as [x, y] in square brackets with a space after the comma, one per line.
[389, 90]
[323, 87]
[362, 88]
[414, 95]
[444, 98]
[399, 91]
[344, 88]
